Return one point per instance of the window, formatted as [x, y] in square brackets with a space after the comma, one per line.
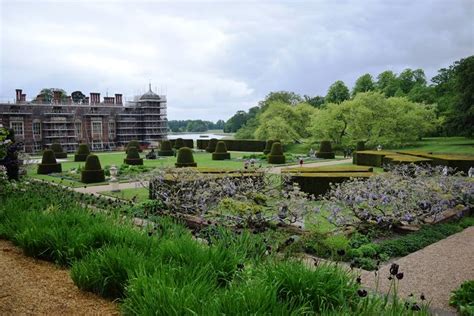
[96, 129]
[111, 130]
[17, 128]
[37, 148]
[78, 129]
[37, 129]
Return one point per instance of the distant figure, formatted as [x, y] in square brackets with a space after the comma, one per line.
[445, 171]
[301, 162]
[349, 152]
[470, 173]
[379, 147]
[246, 164]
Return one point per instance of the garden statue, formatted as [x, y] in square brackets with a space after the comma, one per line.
[379, 147]
[311, 153]
[470, 173]
[151, 154]
[445, 171]
[113, 179]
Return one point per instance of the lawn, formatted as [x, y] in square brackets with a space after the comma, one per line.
[136, 194]
[446, 145]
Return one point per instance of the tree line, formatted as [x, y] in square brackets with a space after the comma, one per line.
[196, 126]
[391, 109]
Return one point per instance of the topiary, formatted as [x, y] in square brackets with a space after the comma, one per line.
[133, 143]
[82, 153]
[211, 147]
[360, 146]
[48, 163]
[133, 157]
[165, 149]
[276, 155]
[92, 172]
[268, 146]
[325, 150]
[185, 158]
[179, 143]
[221, 152]
[58, 151]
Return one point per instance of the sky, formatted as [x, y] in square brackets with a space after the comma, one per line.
[213, 58]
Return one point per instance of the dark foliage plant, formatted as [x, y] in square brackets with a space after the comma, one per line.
[221, 152]
[9, 149]
[92, 172]
[82, 152]
[165, 149]
[276, 155]
[133, 157]
[211, 147]
[325, 150]
[58, 151]
[463, 298]
[179, 143]
[133, 143]
[185, 158]
[48, 163]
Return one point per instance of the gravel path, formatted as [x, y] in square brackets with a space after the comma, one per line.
[35, 287]
[435, 270]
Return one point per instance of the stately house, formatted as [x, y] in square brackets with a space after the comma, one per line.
[103, 124]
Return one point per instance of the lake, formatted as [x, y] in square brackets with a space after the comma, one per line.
[195, 136]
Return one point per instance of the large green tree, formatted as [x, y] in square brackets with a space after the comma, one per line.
[387, 83]
[364, 83]
[337, 92]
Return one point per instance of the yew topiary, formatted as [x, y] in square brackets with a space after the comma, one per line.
[165, 149]
[179, 143]
[133, 157]
[133, 143]
[360, 146]
[325, 150]
[82, 153]
[93, 171]
[185, 158]
[58, 151]
[221, 152]
[276, 155]
[268, 146]
[211, 147]
[48, 163]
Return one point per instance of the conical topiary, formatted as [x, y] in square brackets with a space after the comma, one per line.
[133, 157]
[268, 146]
[93, 171]
[133, 143]
[325, 150]
[48, 163]
[58, 151]
[221, 152]
[165, 149]
[360, 146]
[185, 158]
[211, 146]
[82, 153]
[179, 143]
[276, 155]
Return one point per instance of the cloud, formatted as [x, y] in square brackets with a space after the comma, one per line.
[213, 58]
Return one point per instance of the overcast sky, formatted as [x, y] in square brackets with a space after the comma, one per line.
[214, 58]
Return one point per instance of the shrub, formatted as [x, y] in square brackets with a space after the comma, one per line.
[325, 150]
[185, 158]
[249, 145]
[165, 149]
[211, 147]
[48, 163]
[360, 146]
[133, 157]
[58, 151]
[185, 143]
[276, 155]
[82, 153]
[268, 146]
[179, 143]
[92, 172]
[133, 143]
[221, 152]
[463, 298]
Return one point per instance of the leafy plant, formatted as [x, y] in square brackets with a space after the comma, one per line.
[463, 298]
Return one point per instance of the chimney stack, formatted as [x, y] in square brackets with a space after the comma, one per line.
[56, 97]
[23, 97]
[95, 98]
[86, 100]
[18, 95]
[118, 98]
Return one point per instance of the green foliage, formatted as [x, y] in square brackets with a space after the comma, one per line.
[185, 158]
[360, 146]
[133, 143]
[165, 149]
[276, 155]
[337, 93]
[364, 83]
[179, 143]
[221, 152]
[82, 153]
[463, 298]
[58, 151]
[325, 150]
[221, 147]
[48, 163]
[211, 146]
[92, 172]
[268, 146]
[133, 157]
[48, 157]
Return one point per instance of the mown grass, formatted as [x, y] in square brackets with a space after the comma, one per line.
[133, 194]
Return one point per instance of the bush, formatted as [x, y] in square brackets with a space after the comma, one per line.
[92, 172]
[360, 146]
[221, 152]
[184, 142]
[276, 155]
[48, 163]
[185, 158]
[133, 157]
[463, 298]
[58, 151]
[325, 150]
[179, 143]
[82, 153]
[268, 146]
[165, 149]
[133, 143]
[249, 145]
[211, 147]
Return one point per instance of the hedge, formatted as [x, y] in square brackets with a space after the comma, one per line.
[459, 162]
[166, 149]
[187, 143]
[360, 146]
[93, 171]
[328, 169]
[82, 153]
[319, 183]
[370, 157]
[221, 152]
[249, 145]
[58, 151]
[48, 163]
[133, 143]
[133, 157]
[395, 159]
[276, 155]
[268, 146]
[185, 158]
[325, 150]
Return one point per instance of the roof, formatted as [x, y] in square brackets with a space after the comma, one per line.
[150, 95]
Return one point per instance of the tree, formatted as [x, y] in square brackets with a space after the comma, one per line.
[287, 97]
[337, 92]
[236, 122]
[77, 97]
[364, 83]
[387, 83]
[317, 101]
[278, 112]
[276, 128]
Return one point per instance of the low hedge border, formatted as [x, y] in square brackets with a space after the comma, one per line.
[249, 145]
[328, 169]
[187, 143]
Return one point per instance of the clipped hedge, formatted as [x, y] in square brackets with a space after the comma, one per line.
[179, 143]
[328, 169]
[133, 157]
[211, 146]
[325, 150]
[93, 172]
[185, 158]
[58, 151]
[268, 146]
[221, 152]
[82, 153]
[405, 160]
[166, 149]
[360, 146]
[187, 142]
[370, 157]
[48, 163]
[455, 161]
[249, 145]
[276, 156]
[134, 143]
[320, 183]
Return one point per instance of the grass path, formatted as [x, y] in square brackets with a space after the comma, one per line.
[36, 287]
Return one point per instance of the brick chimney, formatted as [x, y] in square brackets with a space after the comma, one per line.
[109, 100]
[95, 98]
[56, 97]
[18, 95]
[23, 97]
[118, 98]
